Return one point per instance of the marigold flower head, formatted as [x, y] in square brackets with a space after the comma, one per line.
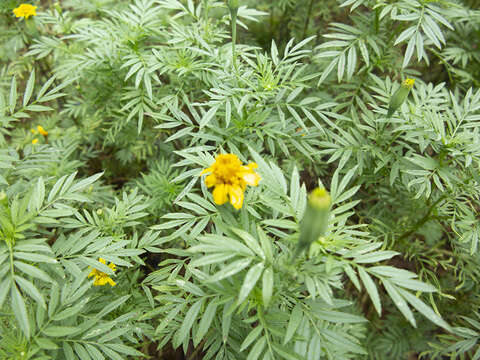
[100, 277]
[408, 83]
[34, 141]
[25, 10]
[41, 130]
[230, 178]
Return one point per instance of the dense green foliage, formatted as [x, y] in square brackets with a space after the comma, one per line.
[109, 111]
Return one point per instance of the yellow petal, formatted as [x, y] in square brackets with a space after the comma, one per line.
[41, 130]
[251, 178]
[111, 282]
[102, 260]
[92, 273]
[34, 141]
[112, 266]
[207, 170]
[236, 196]
[99, 281]
[211, 180]
[252, 165]
[220, 194]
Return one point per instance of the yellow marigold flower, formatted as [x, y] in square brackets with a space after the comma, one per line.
[41, 130]
[34, 141]
[100, 277]
[408, 82]
[25, 10]
[230, 179]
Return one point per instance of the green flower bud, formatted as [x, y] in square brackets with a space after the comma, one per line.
[400, 96]
[57, 7]
[232, 5]
[3, 196]
[315, 221]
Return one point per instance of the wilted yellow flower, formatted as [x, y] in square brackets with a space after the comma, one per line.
[34, 141]
[100, 277]
[230, 179]
[25, 10]
[41, 130]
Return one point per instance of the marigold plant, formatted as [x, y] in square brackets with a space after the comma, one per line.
[239, 180]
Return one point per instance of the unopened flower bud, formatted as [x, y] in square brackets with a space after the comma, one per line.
[315, 221]
[400, 96]
[232, 5]
[57, 7]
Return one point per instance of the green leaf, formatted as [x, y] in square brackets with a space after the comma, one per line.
[46, 344]
[250, 281]
[230, 270]
[112, 306]
[371, 289]
[29, 88]
[111, 354]
[266, 244]
[59, 331]
[20, 310]
[257, 349]
[187, 323]
[124, 349]
[96, 265]
[267, 286]
[32, 271]
[286, 352]
[295, 320]
[425, 310]
[68, 351]
[34, 257]
[375, 256]
[399, 302]
[31, 290]
[206, 321]
[251, 337]
[251, 242]
[94, 352]
[352, 276]
[413, 284]
[12, 100]
[4, 287]
[208, 116]
[339, 317]
[211, 259]
[81, 352]
[71, 311]
[226, 321]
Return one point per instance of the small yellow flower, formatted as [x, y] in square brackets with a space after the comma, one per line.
[33, 131]
[41, 130]
[408, 83]
[25, 10]
[100, 277]
[34, 141]
[230, 179]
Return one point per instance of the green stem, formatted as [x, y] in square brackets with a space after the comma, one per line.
[305, 28]
[233, 14]
[422, 221]
[205, 9]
